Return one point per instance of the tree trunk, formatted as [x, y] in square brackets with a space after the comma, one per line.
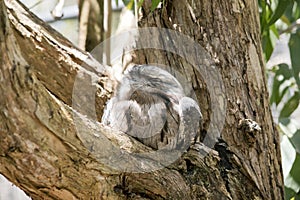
[48, 147]
[91, 30]
[229, 31]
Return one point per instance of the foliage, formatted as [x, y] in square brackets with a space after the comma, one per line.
[280, 18]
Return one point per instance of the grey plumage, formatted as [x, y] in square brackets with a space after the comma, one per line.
[150, 105]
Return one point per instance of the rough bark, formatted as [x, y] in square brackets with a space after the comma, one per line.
[229, 31]
[43, 152]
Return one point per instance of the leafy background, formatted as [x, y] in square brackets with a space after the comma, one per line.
[280, 22]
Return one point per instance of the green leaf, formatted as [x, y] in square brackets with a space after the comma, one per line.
[283, 73]
[274, 33]
[291, 183]
[140, 3]
[275, 96]
[295, 171]
[117, 2]
[154, 4]
[267, 45]
[288, 126]
[280, 9]
[294, 45]
[263, 16]
[292, 11]
[296, 141]
[284, 69]
[126, 2]
[289, 193]
[285, 20]
[270, 37]
[129, 4]
[290, 106]
[282, 93]
[288, 155]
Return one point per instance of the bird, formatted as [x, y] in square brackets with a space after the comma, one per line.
[150, 105]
